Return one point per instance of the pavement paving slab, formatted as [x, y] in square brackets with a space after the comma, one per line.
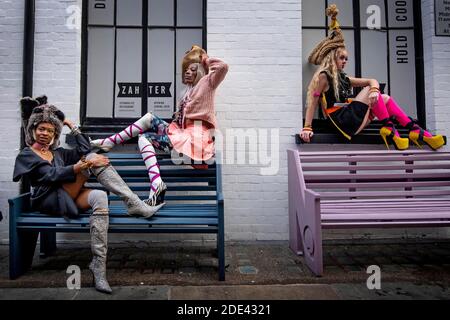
[254, 270]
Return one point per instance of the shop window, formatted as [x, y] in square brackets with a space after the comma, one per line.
[132, 51]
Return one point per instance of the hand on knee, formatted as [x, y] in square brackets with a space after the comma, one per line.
[97, 160]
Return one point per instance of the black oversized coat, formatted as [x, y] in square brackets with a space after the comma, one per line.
[47, 178]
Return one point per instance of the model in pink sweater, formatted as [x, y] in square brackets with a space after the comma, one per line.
[192, 129]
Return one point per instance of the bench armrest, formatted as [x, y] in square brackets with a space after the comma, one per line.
[19, 204]
[311, 194]
[220, 198]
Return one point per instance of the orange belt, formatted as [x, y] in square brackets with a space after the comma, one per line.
[332, 109]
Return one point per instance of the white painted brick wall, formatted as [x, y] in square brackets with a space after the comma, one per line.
[57, 69]
[261, 42]
[11, 42]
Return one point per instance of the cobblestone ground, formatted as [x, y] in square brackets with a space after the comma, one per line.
[176, 263]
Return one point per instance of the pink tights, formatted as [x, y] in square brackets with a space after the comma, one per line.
[384, 111]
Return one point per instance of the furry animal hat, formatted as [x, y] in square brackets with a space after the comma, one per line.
[192, 56]
[333, 41]
[35, 111]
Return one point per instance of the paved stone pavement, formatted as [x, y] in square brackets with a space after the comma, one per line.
[413, 269]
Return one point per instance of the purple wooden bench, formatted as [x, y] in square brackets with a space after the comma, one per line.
[364, 189]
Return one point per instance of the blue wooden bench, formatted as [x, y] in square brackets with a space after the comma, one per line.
[194, 204]
[364, 189]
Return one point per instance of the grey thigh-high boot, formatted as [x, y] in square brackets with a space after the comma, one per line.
[99, 223]
[114, 183]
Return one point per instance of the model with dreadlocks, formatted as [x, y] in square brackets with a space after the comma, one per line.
[331, 87]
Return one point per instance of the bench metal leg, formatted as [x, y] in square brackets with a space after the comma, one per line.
[21, 251]
[310, 225]
[221, 243]
[48, 243]
[295, 239]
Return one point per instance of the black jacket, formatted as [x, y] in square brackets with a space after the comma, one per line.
[47, 178]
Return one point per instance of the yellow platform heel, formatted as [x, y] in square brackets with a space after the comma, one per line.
[387, 132]
[417, 136]
[434, 142]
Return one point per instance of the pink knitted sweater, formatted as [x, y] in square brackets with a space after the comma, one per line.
[194, 138]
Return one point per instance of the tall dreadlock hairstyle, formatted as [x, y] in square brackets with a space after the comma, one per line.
[325, 54]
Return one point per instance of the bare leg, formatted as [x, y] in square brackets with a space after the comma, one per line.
[363, 97]
[74, 188]
[82, 201]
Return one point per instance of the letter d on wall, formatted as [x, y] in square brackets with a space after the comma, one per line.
[74, 281]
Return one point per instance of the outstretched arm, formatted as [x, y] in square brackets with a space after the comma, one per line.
[374, 87]
[364, 82]
[307, 133]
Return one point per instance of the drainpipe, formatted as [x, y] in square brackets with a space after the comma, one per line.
[27, 71]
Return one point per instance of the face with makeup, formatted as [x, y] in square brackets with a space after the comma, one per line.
[44, 133]
[191, 74]
[341, 59]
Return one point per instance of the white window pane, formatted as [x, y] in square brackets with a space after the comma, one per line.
[373, 12]
[129, 12]
[189, 13]
[186, 38]
[373, 56]
[350, 44]
[401, 14]
[100, 73]
[345, 16]
[128, 73]
[101, 12]
[313, 13]
[402, 69]
[160, 13]
[310, 38]
[161, 72]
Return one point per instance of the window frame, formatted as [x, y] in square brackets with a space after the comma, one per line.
[321, 125]
[145, 27]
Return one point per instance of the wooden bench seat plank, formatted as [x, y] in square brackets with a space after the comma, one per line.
[397, 206]
[138, 162]
[387, 177]
[385, 224]
[126, 229]
[389, 216]
[175, 198]
[371, 153]
[192, 188]
[144, 179]
[22, 221]
[383, 194]
[169, 173]
[370, 158]
[378, 167]
[379, 185]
